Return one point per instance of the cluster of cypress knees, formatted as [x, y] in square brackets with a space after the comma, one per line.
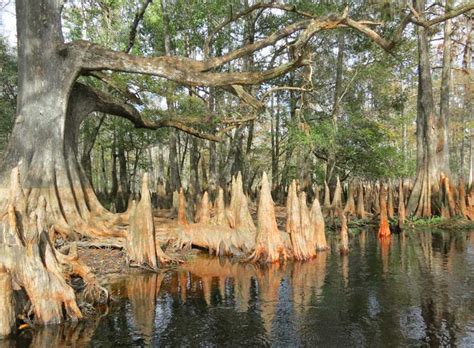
[35, 276]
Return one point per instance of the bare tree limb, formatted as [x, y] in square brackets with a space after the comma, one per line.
[283, 88]
[247, 11]
[451, 14]
[99, 101]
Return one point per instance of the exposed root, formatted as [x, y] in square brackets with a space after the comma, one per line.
[238, 213]
[384, 228]
[269, 247]
[182, 219]
[317, 221]
[203, 214]
[7, 304]
[360, 209]
[337, 199]
[401, 205]
[72, 265]
[350, 203]
[298, 226]
[219, 217]
[142, 247]
[344, 246]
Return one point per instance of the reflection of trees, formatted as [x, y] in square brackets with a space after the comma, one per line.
[307, 279]
[70, 334]
[445, 307]
[142, 292]
[414, 287]
[384, 252]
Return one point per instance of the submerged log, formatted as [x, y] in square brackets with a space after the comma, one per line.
[269, 246]
[384, 228]
[317, 221]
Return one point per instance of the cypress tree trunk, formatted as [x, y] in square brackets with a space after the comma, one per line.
[428, 169]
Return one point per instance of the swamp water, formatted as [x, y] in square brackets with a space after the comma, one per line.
[414, 289]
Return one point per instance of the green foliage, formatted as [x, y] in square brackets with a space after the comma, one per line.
[8, 91]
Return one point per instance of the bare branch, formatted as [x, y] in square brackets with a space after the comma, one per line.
[102, 102]
[247, 11]
[247, 97]
[283, 88]
[451, 14]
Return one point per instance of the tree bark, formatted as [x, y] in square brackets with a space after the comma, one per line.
[331, 164]
[443, 121]
[428, 169]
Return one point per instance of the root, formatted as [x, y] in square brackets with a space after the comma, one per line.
[143, 249]
[317, 221]
[29, 257]
[350, 204]
[384, 228]
[337, 199]
[401, 205]
[270, 247]
[360, 209]
[299, 226]
[71, 265]
[344, 246]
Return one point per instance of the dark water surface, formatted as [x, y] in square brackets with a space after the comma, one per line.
[415, 289]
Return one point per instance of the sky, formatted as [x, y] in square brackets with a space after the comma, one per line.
[8, 21]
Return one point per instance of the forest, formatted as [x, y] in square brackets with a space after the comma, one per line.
[138, 136]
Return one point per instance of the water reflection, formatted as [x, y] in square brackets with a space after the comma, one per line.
[410, 289]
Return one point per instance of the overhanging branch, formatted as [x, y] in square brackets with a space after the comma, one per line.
[102, 102]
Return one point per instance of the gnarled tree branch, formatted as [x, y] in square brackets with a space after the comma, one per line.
[94, 100]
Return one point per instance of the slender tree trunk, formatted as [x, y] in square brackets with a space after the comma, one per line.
[468, 110]
[88, 145]
[114, 174]
[174, 180]
[194, 157]
[331, 164]
[443, 122]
